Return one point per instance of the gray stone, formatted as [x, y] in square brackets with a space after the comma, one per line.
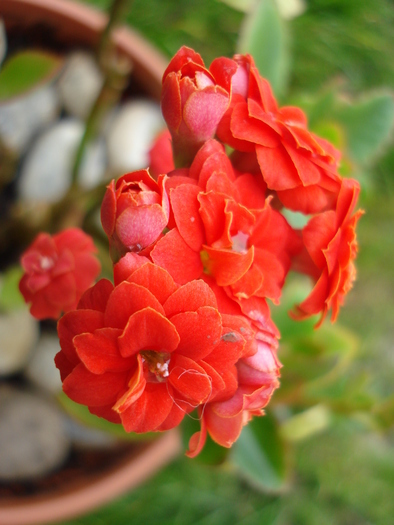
[18, 335]
[23, 117]
[130, 135]
[41, 369]
[94, 164]
[33, 441]
[47, 170]
[84, 436]
[79, 84]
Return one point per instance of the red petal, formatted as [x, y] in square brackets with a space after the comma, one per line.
[75, 240]
[93, 389]
[127, 265]
[199, 332]
[140, 226]
[203, 111]
[197, 441]
[228, 266]
[212, 212]
[190, 297]
[171, 102]
[246, 128]
[136, 387]
[107, 413]
[249, 284]
[317, 235]
[62, 292]
[186, 214]
[149, 411]
[180, 261]
[75, 323]
[251, 190]
[64, 366]
[347, 199]
[157, 280]
[100, 353]
[315, 302]
[189, 380]
[225, 431]
[274, 274]
[147, 329]
[277, 168]
[126, 299]
[174, 418]
[308, 200]
[229, 350]
[96, 297]
[108, 209]
[308, 172]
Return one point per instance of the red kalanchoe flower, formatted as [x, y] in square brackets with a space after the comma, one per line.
[146, 351]
[257, 377]
[300, 166]
[134, 212]
[192, 104]
[58, 269]
[331, 245]
[225, 228]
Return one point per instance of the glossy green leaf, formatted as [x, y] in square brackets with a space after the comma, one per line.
[82, 414]
[259, 454]
[264, 36]
[24, 70]
[10, 296]
[368, 124]
[307, 423]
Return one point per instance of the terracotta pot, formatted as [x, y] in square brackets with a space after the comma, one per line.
[66, 25]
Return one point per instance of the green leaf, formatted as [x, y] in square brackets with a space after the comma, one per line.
[368, 124]
[264, 36]
[296, 290]
[82, 414]
[25, 70]
[306, 423]
[10, 296]
[259, 454]
[239, 5]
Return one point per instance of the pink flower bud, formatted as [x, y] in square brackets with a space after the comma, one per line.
[192, 103]
[134, 212]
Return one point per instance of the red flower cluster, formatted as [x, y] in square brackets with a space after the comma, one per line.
[58, 270]
[197, 252]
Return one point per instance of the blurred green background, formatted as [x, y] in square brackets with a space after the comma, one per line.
[329, 457]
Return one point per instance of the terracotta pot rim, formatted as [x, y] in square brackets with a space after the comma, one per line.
[148, 63]
[69, 504]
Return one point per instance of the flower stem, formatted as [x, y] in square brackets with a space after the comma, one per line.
[116, 70]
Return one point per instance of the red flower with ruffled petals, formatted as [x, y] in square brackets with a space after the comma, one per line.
[257, 380]
[146, 351]
[58, 270]
[192, 104]
[225, 228]
[134, 212]
[331, 246]
[300, 166]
